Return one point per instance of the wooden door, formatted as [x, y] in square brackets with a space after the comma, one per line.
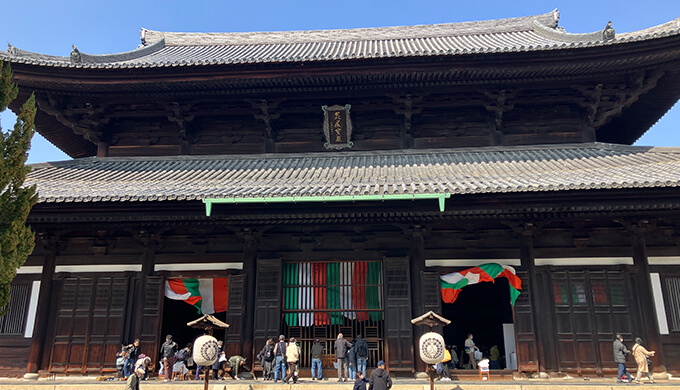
[152, 316]
[267, 302]
[234, 339]
[525, 332]
[106, 325]
[398, 327]
[591, 307]
[89, 324]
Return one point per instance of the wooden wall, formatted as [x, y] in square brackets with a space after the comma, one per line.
[93, 313]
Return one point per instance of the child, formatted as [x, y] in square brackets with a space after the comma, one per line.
[360, 382]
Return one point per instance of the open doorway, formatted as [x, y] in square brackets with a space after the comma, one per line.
[176, 314]
[480, 309]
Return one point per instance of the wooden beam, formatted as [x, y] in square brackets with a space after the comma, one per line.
[50, 244]
[645, 293]
[417, 237]
[250, 270]
[542, 311]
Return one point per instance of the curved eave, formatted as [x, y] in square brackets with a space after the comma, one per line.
[571, 63]
[533, 40]
[637, 119]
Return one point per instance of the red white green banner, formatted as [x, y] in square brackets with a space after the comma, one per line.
[452, 283]
[208, 296]
[313, 290]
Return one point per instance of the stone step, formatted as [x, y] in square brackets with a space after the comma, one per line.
[87, 383]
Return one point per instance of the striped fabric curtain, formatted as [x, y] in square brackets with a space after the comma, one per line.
[315, 290]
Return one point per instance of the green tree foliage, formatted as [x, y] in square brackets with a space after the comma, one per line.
[16, 239]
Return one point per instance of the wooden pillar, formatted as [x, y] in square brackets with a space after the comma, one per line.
[651, 338]
[50, 244]
[542, 311]
[417, 290]
[249, 269]
[103, 149]
[148, 254]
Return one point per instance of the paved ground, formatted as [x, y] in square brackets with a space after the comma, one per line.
[305, 384]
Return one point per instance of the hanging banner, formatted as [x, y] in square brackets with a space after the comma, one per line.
[208, 296]
[320, 288]
[452, 283]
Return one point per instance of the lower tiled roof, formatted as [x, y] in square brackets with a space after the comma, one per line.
[464, 171]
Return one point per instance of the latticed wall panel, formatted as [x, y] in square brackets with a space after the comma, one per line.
[323, 299]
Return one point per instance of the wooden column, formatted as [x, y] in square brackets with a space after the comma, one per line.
[543, 318]
[249, 269]
[149, 242]
[50, 245]
[652, 338]
[103, 149]
[417, 290]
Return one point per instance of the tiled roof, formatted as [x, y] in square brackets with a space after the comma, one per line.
[526, 34]
[465, 171]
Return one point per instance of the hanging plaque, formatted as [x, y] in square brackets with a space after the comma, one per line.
[337, 127]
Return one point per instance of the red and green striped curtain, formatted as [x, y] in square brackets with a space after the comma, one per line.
[315, 288]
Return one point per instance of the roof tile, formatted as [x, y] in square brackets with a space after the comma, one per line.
[168, 49]
[467, 171]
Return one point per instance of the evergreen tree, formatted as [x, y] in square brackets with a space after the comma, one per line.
[16, 239]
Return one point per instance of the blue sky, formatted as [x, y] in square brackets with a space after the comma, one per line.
[99, 27]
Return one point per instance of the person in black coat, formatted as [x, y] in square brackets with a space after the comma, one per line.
[360, 382]
[380, 378]
[132, 353]
[620, 354]
[168, 350]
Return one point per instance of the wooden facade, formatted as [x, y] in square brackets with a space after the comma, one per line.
[527, 147]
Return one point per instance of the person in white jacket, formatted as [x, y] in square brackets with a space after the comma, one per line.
[292, 357]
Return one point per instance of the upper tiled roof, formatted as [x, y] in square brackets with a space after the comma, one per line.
[526, 34]
[466, 171]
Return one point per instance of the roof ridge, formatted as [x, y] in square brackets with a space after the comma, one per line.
[524, 23]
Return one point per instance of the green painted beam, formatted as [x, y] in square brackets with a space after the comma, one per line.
[323, 199]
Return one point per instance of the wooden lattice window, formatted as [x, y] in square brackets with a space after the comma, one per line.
[15, 321]
[671, 293]
[323, 299]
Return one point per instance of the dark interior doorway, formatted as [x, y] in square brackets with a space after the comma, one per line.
[176, 314]
[481, 309]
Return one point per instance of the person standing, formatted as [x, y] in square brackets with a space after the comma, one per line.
[454, 357]
[620, 353]
[218, 364]
[361, 347]
[445, 375]
[280, 363]
[494, 355]
[341, 347]
[292, 357]
[168, 350]
[317, 366]
[380, 378]
[352, 360]
[641, 356]
[266, 358]
[131, 357]
[470, 349]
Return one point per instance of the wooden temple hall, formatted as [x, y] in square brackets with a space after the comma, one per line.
[308, 183]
